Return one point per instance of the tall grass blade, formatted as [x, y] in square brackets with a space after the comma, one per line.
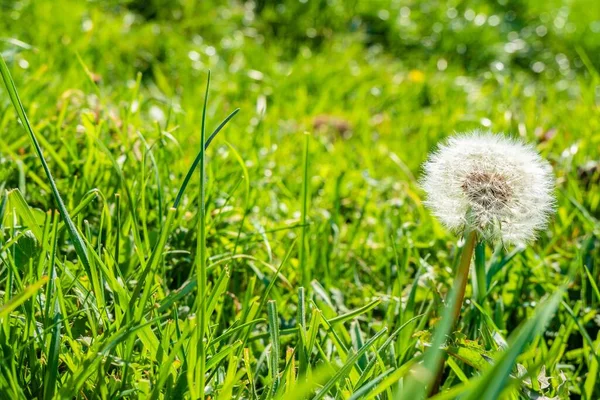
[51, 375]
[273, 319]
[201, 260]
[304, 268]
[16, 101]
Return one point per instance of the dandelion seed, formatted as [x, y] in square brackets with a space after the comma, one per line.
[498, 186]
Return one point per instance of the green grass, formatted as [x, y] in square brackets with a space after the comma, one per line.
[293, 259]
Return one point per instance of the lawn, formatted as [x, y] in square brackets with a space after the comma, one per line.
[295, 258]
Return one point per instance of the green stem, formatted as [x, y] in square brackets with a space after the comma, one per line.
[462, 273]
[460, 285]
[480, 274]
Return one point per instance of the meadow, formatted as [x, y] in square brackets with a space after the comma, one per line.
[294, 258]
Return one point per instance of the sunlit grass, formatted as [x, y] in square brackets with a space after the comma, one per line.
[313, 269]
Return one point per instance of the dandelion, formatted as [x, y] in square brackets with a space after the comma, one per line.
[497, 186]
[490, 187]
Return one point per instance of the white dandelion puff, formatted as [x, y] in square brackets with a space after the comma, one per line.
[498, 186]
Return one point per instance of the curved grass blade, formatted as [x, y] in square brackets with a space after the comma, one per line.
[199, 157]
[16, 101]
[354, 313]
[233, 330]
[22, 297]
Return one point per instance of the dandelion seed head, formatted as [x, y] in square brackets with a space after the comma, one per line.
[489, 182]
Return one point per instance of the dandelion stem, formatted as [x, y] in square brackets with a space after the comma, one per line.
[462, 273]
[460, 285]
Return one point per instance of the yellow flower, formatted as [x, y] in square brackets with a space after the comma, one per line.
[416, 76]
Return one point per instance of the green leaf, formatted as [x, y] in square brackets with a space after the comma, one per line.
[17, 201]
[470, 354]
[26, 249]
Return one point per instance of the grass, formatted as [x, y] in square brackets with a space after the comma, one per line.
[297, 260]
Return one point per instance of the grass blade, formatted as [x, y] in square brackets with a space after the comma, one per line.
[22, 297]
[200, 156]
[304, 268]
[51, 374]
[16, 101]
[273, 318]
[201, 259]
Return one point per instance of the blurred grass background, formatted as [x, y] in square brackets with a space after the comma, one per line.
[376, 84]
